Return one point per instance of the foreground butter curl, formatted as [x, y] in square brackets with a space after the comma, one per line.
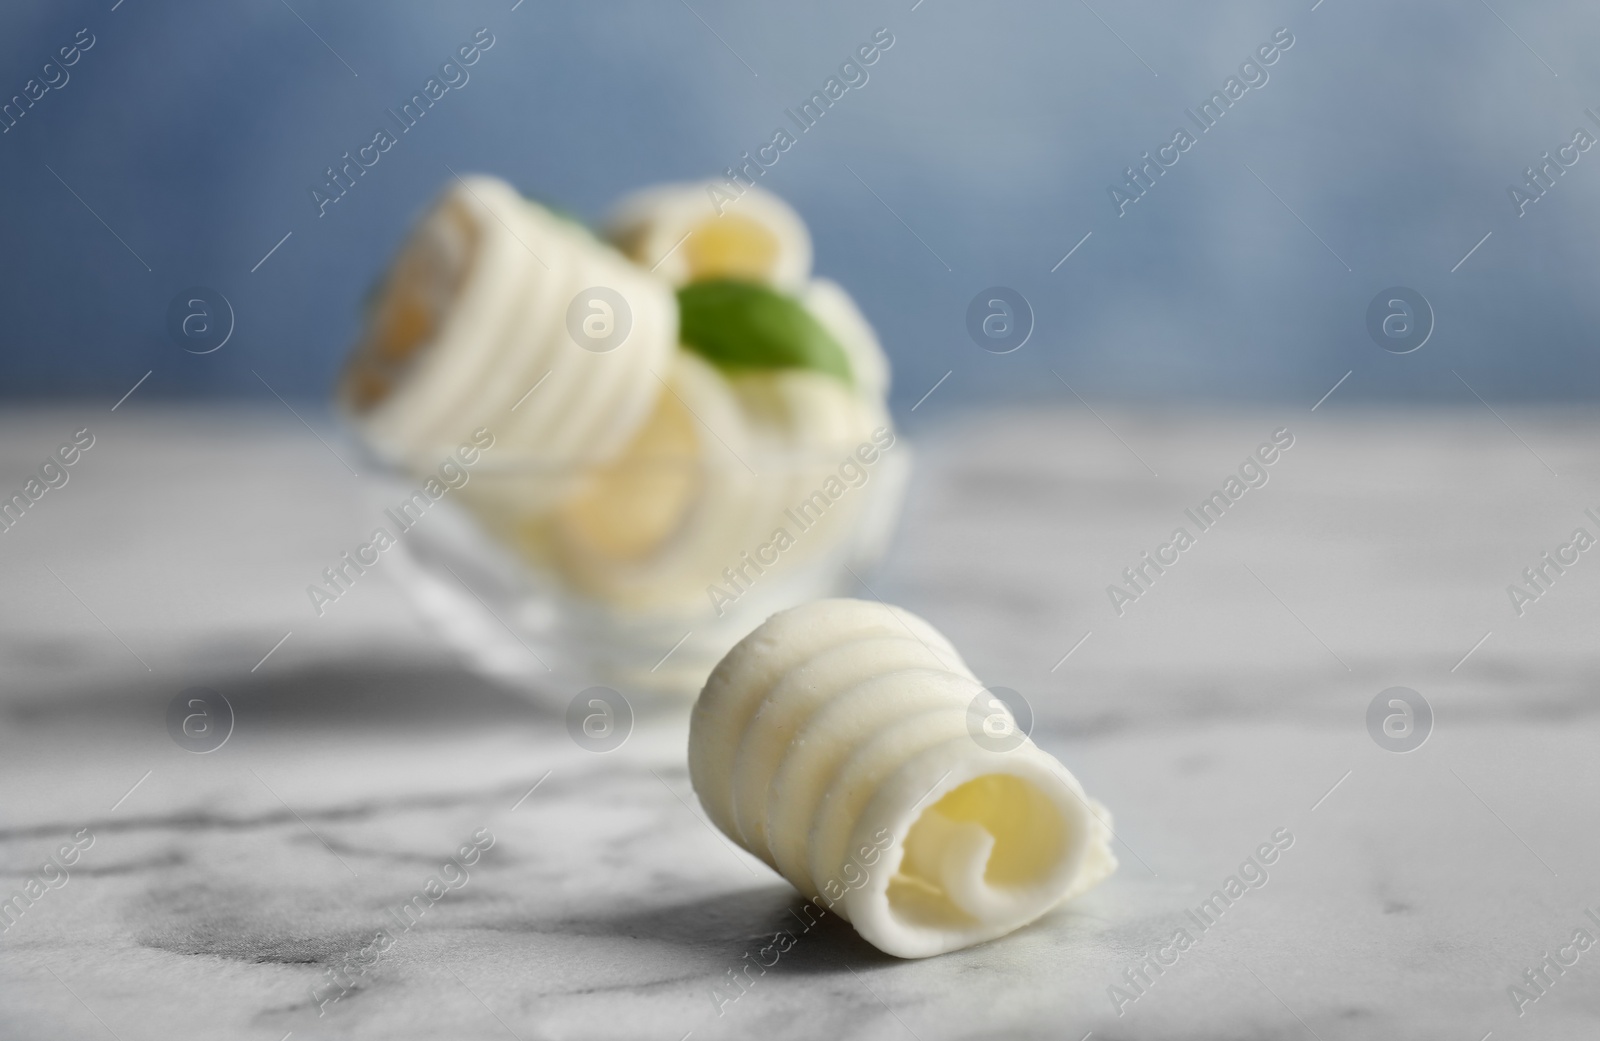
[836, 743]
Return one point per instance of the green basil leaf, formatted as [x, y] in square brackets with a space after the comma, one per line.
[744, 325]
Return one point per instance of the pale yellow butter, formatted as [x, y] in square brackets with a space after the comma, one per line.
[835, 743]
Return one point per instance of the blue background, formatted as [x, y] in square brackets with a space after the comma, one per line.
[1392, 130]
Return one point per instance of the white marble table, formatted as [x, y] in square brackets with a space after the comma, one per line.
[1226, 703]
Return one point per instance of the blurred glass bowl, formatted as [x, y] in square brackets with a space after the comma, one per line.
[636, 576]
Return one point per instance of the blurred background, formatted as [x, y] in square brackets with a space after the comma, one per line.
[181, 147]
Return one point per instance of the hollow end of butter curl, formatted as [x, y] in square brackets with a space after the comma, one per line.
[411, 307]
[973, 845]
[692, 231]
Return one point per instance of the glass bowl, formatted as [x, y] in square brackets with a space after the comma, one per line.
[636, 576]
